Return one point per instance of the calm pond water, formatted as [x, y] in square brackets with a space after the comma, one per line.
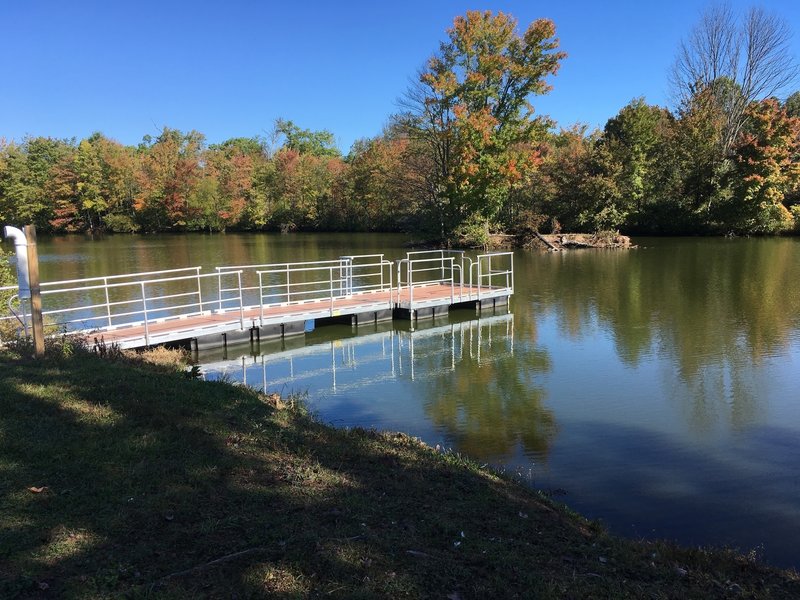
[656, 389]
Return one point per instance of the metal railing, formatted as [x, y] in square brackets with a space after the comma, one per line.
[492, 272]
[285, 279]
[113, 301]
[367, 273]
[11, 318]
[105, 303]
[324, 281]
[414, 273]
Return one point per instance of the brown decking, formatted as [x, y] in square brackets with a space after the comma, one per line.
[189, 327]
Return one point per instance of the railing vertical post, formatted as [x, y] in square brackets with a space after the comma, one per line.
[479, 278]
[108, 302]
[241, 300]
[288, 288]
[144, 309]
[411, 285]
[391, 287]
[452, 281]
[511, 274]
[399, 279]
[330, 270]
[261, 299]
[199, 292]
[219, 289]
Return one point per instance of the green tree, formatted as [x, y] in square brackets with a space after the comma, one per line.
[306, 141]
[24, 178]
[471, 117]
[792, 105]
[89, 171]
[638, 138]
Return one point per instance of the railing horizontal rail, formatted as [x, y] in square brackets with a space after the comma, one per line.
[124, 276]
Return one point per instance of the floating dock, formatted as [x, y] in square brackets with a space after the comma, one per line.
[253, 302]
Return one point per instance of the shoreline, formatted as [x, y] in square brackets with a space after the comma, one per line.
[149, 480]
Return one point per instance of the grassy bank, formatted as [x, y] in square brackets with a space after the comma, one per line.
[127, 479]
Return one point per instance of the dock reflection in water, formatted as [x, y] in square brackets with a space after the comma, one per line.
[338, 359]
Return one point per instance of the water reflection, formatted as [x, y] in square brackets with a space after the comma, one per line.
[659, 384]
[331, 359]
[480, 396]
[712, 313]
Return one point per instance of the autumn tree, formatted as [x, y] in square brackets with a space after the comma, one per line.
[750, 55]
[577, 183]
[470, 114]
[767, 170]
[170, 168]
[376, 190]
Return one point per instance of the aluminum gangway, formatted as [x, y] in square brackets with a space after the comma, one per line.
[261, 301]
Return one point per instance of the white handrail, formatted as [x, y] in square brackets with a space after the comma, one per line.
[123, 276]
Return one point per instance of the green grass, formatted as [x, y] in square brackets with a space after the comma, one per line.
[150, 477]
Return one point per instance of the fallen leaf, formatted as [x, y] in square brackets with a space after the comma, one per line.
[37, 490]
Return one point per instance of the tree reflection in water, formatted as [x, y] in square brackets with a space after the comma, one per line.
[491, 406]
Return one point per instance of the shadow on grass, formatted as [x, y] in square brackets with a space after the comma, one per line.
[120, 480]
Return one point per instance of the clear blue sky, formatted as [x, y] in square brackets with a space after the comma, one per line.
[231, 68]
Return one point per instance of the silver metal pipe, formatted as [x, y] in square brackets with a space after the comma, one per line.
[21, 250]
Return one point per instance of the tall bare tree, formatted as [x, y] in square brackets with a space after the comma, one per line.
[738, 59]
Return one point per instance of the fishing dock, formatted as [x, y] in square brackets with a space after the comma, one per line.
[237, 303]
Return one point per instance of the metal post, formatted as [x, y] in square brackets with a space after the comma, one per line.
[219, 289]
[511, 256]
[37, 321]
[478, 273]
[452, 283]
[199, 291]
[410, 285]
[144, 307]
[261, 299]
[108, 303]
[241, 301]
[330, 270]
[288, 289]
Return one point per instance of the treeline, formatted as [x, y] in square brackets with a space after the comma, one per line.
[175, 182]
[465, 157]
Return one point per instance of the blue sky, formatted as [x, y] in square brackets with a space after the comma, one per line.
[231, 68]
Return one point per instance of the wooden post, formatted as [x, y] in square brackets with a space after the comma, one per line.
[37, 322]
